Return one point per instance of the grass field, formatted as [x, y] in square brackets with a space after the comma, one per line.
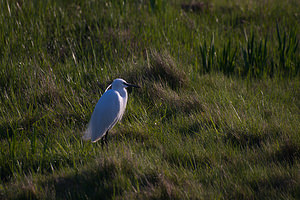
[217, 115]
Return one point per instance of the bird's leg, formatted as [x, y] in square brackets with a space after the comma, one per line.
[105, 136]
[104, 140]
[102, 143]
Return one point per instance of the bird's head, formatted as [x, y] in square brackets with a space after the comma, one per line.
[120, 84]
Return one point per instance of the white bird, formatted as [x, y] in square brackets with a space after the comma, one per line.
[108, 111]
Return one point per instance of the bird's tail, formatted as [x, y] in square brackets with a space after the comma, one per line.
[87, 134]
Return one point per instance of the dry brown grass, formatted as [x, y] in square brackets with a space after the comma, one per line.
[162, 81]
[159, 67]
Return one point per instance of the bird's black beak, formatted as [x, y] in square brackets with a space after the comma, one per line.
[131, 85]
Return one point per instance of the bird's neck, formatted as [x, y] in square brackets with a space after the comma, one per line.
[124, 96]
[123, 92]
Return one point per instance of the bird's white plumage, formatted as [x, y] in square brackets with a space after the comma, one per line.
[108, 111]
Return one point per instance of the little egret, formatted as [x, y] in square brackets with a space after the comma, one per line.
[108, 111]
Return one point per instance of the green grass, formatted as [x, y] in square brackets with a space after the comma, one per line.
[217, 115]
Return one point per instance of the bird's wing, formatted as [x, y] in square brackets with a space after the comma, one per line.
[108, 88]
[106, 114]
